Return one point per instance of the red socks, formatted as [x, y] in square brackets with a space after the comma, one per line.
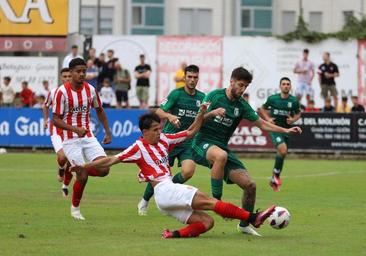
[192, 230]
[228, 210]
[77, 194]
[67, 177]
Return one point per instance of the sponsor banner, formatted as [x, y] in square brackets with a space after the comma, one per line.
[24, 128]
[33, 44]
[331, 132]
[248, 137]
[362, 71]
[127, 49]
[31, 69]
[279, 60]
[205, 52]
[28, 17]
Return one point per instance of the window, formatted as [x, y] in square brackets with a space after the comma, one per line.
[245, 19]
[89, 22]
[195, 21]
[288, 21]
[136, 15]
[315, 21]
[347, 15]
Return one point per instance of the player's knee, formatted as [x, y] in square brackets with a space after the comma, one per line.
[104, 172]
[221, 157]
[282, 151]
[208, 222]
[188, 173]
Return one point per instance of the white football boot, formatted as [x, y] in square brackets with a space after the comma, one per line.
[142, 207]
[248, 230]
[76, 214]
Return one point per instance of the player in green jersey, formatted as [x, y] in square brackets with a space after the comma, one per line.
[210, 145]
[281, 109]
[180, 110]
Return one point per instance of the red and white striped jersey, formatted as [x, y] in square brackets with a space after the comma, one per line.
[74, 107]
[152, 158]
[49, 104]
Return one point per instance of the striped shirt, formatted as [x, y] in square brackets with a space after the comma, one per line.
[152, 158]
[49, 103]
[74, 107]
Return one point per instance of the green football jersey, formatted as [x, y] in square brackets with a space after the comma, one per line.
[281, 108]
[218, 130]
[182, 105]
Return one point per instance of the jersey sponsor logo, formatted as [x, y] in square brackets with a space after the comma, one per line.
[281, 112]
[79, 109]
[181, 112]
[224, 121]
[162, 160]
[236, 112]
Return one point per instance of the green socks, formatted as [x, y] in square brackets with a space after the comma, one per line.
[249, 208]
[178, 178]
[278, 164]
[216, 188]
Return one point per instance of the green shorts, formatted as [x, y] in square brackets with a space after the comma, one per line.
[181, 152]
[232, 163]
[142, 93]
[279, 138]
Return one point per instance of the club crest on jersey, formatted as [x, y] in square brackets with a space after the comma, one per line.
[289, 104]
[236, 112]
[198, 103]
[181, 112]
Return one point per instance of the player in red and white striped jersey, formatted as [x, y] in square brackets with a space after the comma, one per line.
[184, 202]
[64, 175]
[71, 113]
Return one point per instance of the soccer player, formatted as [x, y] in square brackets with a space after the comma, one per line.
[71, 113]
[284, 111]
[210, 145]
[184, 202]
[179, 109]
[64, 175]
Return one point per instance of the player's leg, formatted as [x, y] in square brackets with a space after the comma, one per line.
[61, 158]
[275, 181]
[217, 157]
[74, 153]
[94, 151]
[67, 179]
[244, 181]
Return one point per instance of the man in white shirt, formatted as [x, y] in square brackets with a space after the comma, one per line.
[7, 93]
[72, 55]
[45, 90]
[305, 71]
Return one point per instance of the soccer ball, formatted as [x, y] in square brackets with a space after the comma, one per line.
[280, 218]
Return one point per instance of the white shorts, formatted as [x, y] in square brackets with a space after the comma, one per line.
[81, 150]
[175, 199]
[56, 142]
[304, 89]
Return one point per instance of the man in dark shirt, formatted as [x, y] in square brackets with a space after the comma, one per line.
[327, 72]
[356, 106]
[142, 74]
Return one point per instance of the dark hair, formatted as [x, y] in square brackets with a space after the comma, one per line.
[142, 56]
[76, 62]
[245, 94]
[327, 53]
[192, 68]
[311, 102]
[285, 79]
[8, 78]
[355, 97]
[25, 83]
[145, 121]
[64, 70]
[74, 46]
[110, 50]
[306, 50]
[45, 82]
[241, 73]
[344, 98]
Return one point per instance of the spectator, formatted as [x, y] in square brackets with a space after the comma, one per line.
[7, 93]
[110, 55]
[179, 76]
[92, 56]
[45, 90]
[142, 74]
[91, 74]
[327, 72]
[40, 101]
[107, 94]
[18, 101]
[356, 105]
[72, 55]
[328, 105]
[26, 95]
[344, 108]
[106, 70]
[305, 71]
[311, 107]
[122, 84]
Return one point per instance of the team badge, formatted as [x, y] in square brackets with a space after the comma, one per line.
[198, 103]
[205, 146]
[236, 112]
[289, 104]
[181, 112]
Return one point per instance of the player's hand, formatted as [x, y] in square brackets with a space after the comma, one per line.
[218, 112]
[45, 124]
[81, 132]
[107, 138]
[294, 130]
[204, 107]
[174, 120]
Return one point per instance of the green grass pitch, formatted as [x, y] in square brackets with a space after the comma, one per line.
[327, 200]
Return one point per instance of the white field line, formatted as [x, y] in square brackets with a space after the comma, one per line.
[322, 174]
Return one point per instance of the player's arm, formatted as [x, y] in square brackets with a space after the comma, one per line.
[45, 110]
[103, 119]
[59, 123]
[198, 121]
[263, 110]
[269, 127]
[166, 106]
